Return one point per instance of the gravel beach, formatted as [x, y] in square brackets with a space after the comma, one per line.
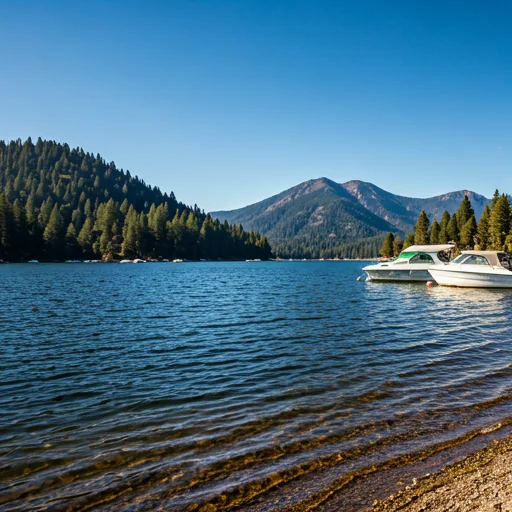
[480, 482]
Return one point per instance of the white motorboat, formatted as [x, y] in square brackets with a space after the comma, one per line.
[138, 260]
[476, 269]
[126, 261]
[412, 265]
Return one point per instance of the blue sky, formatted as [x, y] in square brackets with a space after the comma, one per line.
[228, 102]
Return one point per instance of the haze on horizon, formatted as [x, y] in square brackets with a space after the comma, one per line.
[227, 103]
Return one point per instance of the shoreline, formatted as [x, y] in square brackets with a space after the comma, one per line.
[472, 474]
[481, 481]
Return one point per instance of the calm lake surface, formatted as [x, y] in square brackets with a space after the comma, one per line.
[259, 385]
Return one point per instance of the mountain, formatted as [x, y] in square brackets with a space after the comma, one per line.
[402, 211]
[317, 213]
[323, 218]
[60, 203]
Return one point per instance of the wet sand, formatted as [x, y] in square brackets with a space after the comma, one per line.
[480, 482]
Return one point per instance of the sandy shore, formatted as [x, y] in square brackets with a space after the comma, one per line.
[480, 482]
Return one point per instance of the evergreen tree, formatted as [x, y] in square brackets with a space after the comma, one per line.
[409, 240]
[468, 232]
[72, 248]
[464, 213]
[499, 223]
[387, 247]
[495, 197]
[53, 233]
[453, 230]
[131, 234]
[444, 237]
[482, 237]
[397, 246]
[435, 232]
[85, 239]
[421, 229]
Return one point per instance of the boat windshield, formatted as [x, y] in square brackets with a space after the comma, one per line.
[406, 255]
[460, 258]
[475, 260]
[422, 257]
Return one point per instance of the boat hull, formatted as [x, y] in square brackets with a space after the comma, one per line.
[403, 275]
[462, 279]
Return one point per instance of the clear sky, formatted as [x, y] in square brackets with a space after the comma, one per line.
[228, 102]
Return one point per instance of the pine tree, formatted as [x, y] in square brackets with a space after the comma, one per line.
[72, 249]
[468, 232]
[409, 240]
[435, 232]
[387, 246]
[421, 229]
[464, 213]
[45, 212]
[53, 233]
[85, 238]
[453, 230]
[499, 223]
[482, 237]
[444, 237]
[131, 234]
[20, 230]
[397, 246]
[495, 197]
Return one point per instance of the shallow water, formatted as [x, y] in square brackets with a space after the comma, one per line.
[250, 384]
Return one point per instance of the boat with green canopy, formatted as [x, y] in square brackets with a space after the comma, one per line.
[411, 265]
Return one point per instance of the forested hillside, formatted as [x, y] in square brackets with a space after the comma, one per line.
[60, 203]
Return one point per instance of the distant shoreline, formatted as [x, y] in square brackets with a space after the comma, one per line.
[293, 260]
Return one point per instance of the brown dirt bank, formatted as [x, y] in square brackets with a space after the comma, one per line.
[480, 482]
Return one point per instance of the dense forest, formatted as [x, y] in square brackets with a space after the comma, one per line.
[58, 203]
[492, 232]
[313, 248]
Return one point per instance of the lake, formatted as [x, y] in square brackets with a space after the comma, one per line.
[260, 385]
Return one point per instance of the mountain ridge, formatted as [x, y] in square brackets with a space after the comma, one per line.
[325, 215]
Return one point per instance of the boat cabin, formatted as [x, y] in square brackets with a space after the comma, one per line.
[491, 258]
[425, 254]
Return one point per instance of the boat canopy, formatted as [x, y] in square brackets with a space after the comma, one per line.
[429, 248]
[490, 256]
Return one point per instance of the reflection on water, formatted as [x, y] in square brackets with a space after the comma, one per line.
[212, 383]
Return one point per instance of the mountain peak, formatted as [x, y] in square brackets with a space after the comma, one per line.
[323, 215]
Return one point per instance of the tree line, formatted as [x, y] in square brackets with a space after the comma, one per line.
[60, 203]
[304, 247]
[492, 232]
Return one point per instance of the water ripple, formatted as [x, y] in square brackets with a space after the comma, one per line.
[126, 386]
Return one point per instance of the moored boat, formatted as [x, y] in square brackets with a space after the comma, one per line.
[475, 269]
[412, 265]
